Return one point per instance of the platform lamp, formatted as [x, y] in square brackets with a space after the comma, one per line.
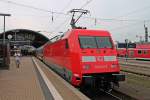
[4, 15]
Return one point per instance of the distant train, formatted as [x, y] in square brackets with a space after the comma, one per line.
[134, 50]
[27, 50]
[84, 57]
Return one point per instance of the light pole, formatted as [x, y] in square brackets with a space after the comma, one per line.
[4, 15]
[126, 41]
[146, 33]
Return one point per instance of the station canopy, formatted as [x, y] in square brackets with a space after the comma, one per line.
[21, 37]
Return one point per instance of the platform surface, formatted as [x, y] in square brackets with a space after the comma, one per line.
[20, 83]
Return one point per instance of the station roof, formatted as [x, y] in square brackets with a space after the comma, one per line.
[35, 38]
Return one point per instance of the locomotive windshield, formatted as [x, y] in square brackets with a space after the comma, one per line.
[95, 42]
[87, 42]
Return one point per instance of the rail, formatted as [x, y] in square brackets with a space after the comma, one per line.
[112, 95]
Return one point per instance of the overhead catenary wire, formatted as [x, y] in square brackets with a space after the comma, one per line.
[36, 8]
[119, 19]
[113, 19]
[131, 13]
[62, 24]
[97, 19]
[31, 7]
[123, 20]
[84, 5]
[125, 26]
[134, 11]
[66, 6]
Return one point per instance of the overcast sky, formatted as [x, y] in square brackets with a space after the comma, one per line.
[123, 18]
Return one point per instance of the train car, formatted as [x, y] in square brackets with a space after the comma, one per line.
[85, 57]
[123, 49]
[27, 50]
[140, 50]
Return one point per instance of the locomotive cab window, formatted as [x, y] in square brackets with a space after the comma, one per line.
[104, 42]
[87, 42]
[95, 42]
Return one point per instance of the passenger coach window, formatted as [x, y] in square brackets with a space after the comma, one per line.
[139, 52]
[145, 52]
[87, 42]
[103, 42]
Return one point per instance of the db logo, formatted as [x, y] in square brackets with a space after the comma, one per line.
[100, 58]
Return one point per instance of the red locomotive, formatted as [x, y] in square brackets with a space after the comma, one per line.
[84, 57]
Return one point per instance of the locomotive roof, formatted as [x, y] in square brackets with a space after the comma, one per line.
[87, 32]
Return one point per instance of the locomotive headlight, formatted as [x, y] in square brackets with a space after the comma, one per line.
[86, 67]
[76, 75]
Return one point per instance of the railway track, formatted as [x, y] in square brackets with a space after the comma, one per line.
[135, 62]
[114, 97]
[103, 95]
[135, 65]
[137, 69]
[121, 96]
[143, 64]
[137, 73]
[138, 85]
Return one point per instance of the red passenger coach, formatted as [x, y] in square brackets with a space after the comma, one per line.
[134, 50]
[84, 57]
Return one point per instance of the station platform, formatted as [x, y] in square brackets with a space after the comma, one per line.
[33, 80]
[20, 83]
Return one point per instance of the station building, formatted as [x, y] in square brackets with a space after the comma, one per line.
[24, 39]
